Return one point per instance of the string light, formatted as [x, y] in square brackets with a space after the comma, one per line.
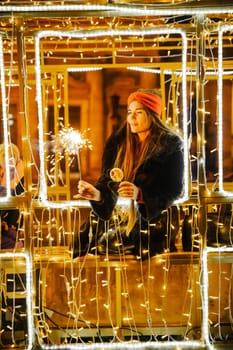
[222, 29]
[13, 257]
[130, 10]
[129, 345]
[100, 33]
[4, 124]
[62, 204]
[83, 69]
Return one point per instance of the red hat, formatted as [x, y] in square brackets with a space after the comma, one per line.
[148, 99]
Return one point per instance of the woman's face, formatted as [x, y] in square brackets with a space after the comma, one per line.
[138, 118]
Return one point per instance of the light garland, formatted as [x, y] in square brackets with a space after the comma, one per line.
[219, 111]
[209, 71]
[222, 29]
[100, 33]
[64, 204]
[123, 9]
[29, 291]
[205, 256]
[4, 124]
[204, 290]
[83, 69]
[129, 345]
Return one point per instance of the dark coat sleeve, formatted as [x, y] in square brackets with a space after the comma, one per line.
[106, 186]
[161, 179]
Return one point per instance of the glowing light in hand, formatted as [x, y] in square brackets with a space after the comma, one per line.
[116, 174]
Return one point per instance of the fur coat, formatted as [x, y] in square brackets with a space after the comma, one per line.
[160, 177]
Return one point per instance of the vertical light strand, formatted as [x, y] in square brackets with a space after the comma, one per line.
[222, 29]
[99, 33]
[184, 112]
[30, 318]
[205, 299]
[219, 111]
[5, 123]
[12, 256]
[43, 187]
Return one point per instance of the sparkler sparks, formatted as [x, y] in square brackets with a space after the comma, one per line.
[72, 140]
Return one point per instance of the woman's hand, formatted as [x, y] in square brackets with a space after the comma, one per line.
[128, 190]
[88, 191]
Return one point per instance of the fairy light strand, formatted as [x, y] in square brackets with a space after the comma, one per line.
[130, 10]
[222, 29]
[100, 33]
[4, 123]
[29, 291]
[172, 344]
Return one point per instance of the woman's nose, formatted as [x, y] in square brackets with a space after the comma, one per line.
[132, 115]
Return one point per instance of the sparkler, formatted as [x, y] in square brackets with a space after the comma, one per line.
[72, 141]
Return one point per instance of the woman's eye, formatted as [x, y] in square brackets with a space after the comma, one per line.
[137, 112]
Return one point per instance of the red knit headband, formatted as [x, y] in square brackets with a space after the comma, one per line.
[149, 100]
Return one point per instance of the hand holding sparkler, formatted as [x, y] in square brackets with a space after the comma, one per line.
[87, 191]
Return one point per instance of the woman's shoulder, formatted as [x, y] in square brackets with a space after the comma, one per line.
[172, 138]
[168, 143]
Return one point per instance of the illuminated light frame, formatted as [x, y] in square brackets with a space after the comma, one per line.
[222, 29]
[132, 10]
[83, 69]
[99, 33]
[205, 284]
[192, 72]
[4, 122]
[126, 345]
[29, 292]
[13, 255]
[128, 10]
[43, 187]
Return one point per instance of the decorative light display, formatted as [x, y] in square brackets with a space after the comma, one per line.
[8, 259]
[130, 10]
[222, 29]
[4, 123]
[40, 109]
[82, 289]
[96, 34]
[83, 69]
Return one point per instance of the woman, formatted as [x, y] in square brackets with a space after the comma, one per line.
[150, 156]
